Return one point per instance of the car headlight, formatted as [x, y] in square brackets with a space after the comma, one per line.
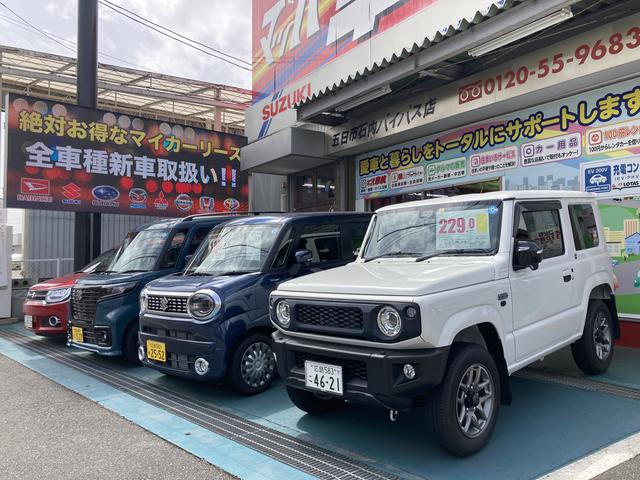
[118, 289]
[204, 304]
[389, 322]
[283, 313]
[57, 295]
[144, 296]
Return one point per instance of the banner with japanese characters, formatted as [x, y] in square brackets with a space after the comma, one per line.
[590, 141]
[66, 157]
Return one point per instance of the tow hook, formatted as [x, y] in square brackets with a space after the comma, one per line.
[393, 415]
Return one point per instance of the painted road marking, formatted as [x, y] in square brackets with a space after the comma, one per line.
[599, 462]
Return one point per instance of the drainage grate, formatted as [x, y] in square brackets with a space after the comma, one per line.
[299, 454]
[578, 382]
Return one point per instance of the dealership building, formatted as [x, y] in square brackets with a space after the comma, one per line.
[367, 103]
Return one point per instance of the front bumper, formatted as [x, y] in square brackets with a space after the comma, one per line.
[42, 312]
[372, 376]
[184, 343]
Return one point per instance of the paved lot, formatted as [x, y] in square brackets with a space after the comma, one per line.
[47, 428]
[629, 470]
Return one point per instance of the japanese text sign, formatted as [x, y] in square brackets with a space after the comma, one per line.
[66, 157]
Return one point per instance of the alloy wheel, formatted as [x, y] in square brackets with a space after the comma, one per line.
[474, 401]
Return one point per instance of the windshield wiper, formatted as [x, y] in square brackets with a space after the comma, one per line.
[392, 254]
[237, 272]
[454, 253]
[199, 274]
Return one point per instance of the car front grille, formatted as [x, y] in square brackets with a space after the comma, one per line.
[318, 316]
[84, 302]
[351, 369]
[167, 304]
[36, 294]
[176, 361]
[171, 333]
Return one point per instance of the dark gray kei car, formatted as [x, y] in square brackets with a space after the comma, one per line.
[211, 322]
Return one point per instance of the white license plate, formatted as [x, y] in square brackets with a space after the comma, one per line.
[28, 321]
[323, 377]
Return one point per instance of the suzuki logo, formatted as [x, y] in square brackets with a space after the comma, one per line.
[164, 304]
[71, 191]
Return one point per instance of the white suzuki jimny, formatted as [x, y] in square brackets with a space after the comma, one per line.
[446, 299]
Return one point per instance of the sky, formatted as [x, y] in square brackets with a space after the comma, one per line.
[221, 24]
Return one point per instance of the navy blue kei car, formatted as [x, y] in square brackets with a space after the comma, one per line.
[105, 306]
[211, 322]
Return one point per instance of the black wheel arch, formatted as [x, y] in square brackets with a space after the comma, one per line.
[486, 336]
[605, 294]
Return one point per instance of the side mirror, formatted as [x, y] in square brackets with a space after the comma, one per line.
[527, 253]
[303, 256]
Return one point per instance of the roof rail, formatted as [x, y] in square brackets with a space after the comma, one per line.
[227, 214]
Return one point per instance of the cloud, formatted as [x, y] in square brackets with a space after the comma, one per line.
[222, 24]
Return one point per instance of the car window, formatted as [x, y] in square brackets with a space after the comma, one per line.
[198, 236]
[172, 254]
[543, 227]
[583, 226]
[282, 257]
[358, 231]
[323, 241]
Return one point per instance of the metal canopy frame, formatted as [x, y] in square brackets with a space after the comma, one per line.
[127, 90]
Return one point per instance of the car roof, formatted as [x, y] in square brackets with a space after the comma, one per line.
[501, 195]
[301, 218]
[188, 221]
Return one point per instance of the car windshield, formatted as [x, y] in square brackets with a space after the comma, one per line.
[234, 249]
[424, 231]
[139, 251]
[101, 263]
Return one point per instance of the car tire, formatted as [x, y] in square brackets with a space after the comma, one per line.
[313, 403]
[470, 390]
[593, 352]
[130, 344]
[253, 365]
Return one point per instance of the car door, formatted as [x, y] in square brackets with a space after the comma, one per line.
[543, 299]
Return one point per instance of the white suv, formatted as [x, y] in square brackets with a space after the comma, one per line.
[447, 298]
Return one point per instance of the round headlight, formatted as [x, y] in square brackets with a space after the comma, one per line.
[57, 295]
[389, 322]
[144, 296]
[283, 313]
[203, 305]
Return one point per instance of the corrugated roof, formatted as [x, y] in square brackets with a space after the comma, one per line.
[461, 25]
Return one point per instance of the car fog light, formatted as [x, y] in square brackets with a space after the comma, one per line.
[411, 312]
[201, 366]
[409, 371]
[54, 321]
[141, 353]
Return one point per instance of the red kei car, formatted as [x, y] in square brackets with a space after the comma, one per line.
[47, 305]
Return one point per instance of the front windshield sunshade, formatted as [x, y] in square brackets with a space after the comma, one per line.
[235, 249]
[140, 251]
[424, 231]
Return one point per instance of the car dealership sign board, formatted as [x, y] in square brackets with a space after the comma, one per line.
[65, 157]
[302, 47]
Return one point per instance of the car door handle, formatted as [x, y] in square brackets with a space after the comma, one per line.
[567, 275]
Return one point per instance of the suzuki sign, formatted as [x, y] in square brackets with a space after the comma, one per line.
[302, 47]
